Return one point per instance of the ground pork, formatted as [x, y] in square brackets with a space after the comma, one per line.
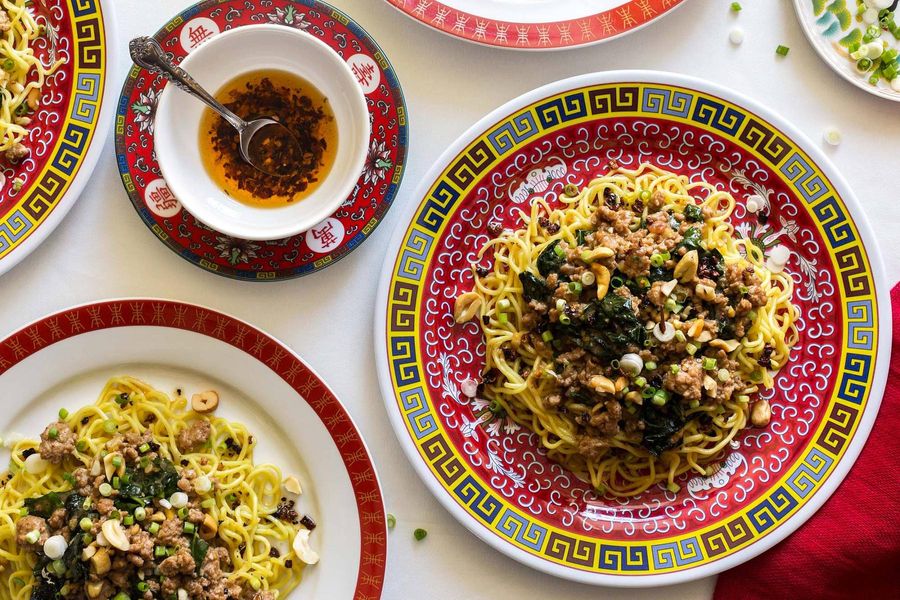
[688, 381]
[655, 294]
[55, 449]
[607, 421]
[592, 447]
[194, 435]
[57, 519]
[105, 506]
[171, 532]
[141, 550]
[26, 525]
[181, 563]
[82, 481]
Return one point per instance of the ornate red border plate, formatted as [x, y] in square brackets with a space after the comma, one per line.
[281, 360]
[325, 243]
[73, 114]
[491, 473]
[603, 26]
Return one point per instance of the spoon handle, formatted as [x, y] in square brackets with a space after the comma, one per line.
[147, 53]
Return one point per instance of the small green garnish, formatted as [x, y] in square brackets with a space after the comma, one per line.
[782, 50]
[63, 414]
[420, 534]
[736, 7]
[391, 521]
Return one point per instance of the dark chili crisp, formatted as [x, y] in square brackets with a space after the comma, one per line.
[305, 114]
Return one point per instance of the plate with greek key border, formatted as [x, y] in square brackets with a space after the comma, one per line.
[328, 241]
[491, 473]
[64, 359]
[68, 128]
[536, 24]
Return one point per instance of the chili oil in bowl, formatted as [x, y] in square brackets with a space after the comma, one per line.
[264, 71]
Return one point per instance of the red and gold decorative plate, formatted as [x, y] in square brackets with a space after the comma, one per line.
[325, 243]
[536, 24]
[491, 473]
[67, 131]
[64, 360]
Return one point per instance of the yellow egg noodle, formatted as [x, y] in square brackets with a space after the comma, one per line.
[625, 468]
[243, 499]
[19, 89]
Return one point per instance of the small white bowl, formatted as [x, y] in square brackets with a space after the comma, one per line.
[215, 63]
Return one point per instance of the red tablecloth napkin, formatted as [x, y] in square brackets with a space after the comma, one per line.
[851, 547]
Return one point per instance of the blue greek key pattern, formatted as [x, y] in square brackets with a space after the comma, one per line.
[807, 476]
[404, 361]
[834, 220]
[804, 178]
[418, 412]
[415, 251]
[623, 558]
[14, 227]
[87, 94]
[476, 497]
[717, 115]
[71, 148]
[527, 533]
[84, 7]
[437, 207]
[512, 132]
[861, 325]
[677, 554]
[667, 102]
[561, 110]
[854, 383]
[771, 510]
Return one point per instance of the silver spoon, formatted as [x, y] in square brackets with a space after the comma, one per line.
[257, 138]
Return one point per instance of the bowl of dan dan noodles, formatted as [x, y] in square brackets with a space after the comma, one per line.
[630, 335]
[631, 327]
[142, 495]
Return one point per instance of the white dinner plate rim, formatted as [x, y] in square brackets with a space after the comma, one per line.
[833, 60]
[192, 305]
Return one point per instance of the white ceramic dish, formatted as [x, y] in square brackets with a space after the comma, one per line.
[221, 59]
[300, 425]
[823, 32]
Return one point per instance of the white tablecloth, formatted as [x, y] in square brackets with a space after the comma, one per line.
[103, 249]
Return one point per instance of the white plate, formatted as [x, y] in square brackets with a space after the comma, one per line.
[536, 24]
[824, 31]
[64, 360]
